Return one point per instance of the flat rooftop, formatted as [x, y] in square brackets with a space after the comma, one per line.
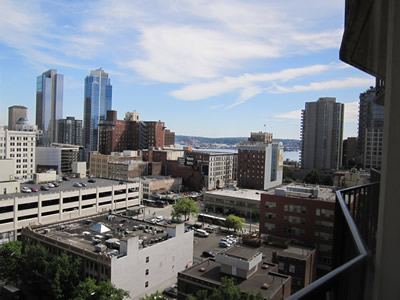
[63, 186]
[238, 193]
[297, 252]
[209, 271]
[242, 252]
[324, 193]
[80, 233]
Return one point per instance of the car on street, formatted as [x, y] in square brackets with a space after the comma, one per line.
[50, 185]
[65, 178]
[34, 190]
[77, 184]
[44, 188]
[83, 184]
[25, 189]
[91, 180]
[209, 229]
[208, 254]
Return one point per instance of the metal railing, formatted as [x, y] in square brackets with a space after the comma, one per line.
[354, 245]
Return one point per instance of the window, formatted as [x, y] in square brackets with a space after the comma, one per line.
[147, 272]
[281, 266]
[270, 204]
[269, 226]
[147, 259]
[292, 268]
[146, 284]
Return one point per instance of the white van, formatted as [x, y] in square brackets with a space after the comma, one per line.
[201, 232]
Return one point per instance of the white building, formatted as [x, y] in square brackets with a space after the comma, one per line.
[136, 256]
[65, 202]
[57, 157]
[19, 145]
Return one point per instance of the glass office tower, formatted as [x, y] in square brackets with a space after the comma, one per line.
[49, 104]
[98, 99]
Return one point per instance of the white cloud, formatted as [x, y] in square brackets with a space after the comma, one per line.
[351, 112]
[213, 107]
[294, 115]
[324, 85]
[246, 94]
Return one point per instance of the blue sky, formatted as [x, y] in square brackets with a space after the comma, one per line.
[208, 68]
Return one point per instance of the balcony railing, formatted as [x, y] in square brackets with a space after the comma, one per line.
[354, 245]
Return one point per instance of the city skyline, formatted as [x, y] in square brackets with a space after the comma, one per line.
[191, 64]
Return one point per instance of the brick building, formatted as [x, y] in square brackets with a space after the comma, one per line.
[169, 139]
[302, 214]
[260, 162]
[130, 134]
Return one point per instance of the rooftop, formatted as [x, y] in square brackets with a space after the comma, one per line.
[324, 193]
[209, 271]
[238, 193]
[242, 252]
[85, 234]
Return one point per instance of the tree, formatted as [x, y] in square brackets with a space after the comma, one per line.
[10, 256]
[234, 222]
[313, 177]
[104, 290]
[154, 296]
[184, 207]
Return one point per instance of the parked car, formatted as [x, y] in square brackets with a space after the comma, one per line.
[83, 184]
[171, 291]
[50, 185]
[65, 178]
[59, 180]
[201, 232]
[208, 254]
[77, 184]
[44, 188]
[209, 229]
[56, 184]
[224, 244]
[91, 180]
[34, 190]
[25, 189]
[122, 182]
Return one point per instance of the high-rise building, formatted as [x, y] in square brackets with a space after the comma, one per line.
[15, 113]
[370, 130]
[98, 99]
[322, 134]
[349, 152]
[49, 104]
[69, 131]
[260, 162]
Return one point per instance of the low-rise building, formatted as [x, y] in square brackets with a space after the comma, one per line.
[160, 184]
[7, 183]
[245, 265]
[135, 256]
[65, 202]
[240, 202]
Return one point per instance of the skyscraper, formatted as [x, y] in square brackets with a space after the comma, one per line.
[370, 130]
[49, 104]
[98, 99]
[322, 134]
[69, 131]
[16, 112]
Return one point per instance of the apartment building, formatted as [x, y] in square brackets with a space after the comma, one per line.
[303, 214]
[135, 256]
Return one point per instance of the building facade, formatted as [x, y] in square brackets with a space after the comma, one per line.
[169, 138]
[57, 157]
[97, 101]
[260, 162]
[137, 260]
[64, 203]
[16, 112]
[69, 131]
[302, 214]
[370, 125]
[19, 145]
[49, 104]
[322, 134]
[349, 152]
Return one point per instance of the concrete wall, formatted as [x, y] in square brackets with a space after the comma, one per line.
[165, 260]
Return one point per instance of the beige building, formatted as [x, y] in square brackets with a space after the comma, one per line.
[160, 184]
[19, 145]
[57, 157]
[7, 183]
[241, 202]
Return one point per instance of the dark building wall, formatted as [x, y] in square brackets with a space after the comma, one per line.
[191, 176]
[169, 138]
[251, 169]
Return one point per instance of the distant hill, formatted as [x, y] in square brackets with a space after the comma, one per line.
[288, 143]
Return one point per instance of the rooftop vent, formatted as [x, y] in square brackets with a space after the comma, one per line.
[265, 286]
[202, 269]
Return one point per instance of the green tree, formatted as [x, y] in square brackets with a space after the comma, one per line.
[228, 290]
[10, 257]
[234, 222]
[313, 177]
[184, 207]
[104, 290]
[155, 296]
